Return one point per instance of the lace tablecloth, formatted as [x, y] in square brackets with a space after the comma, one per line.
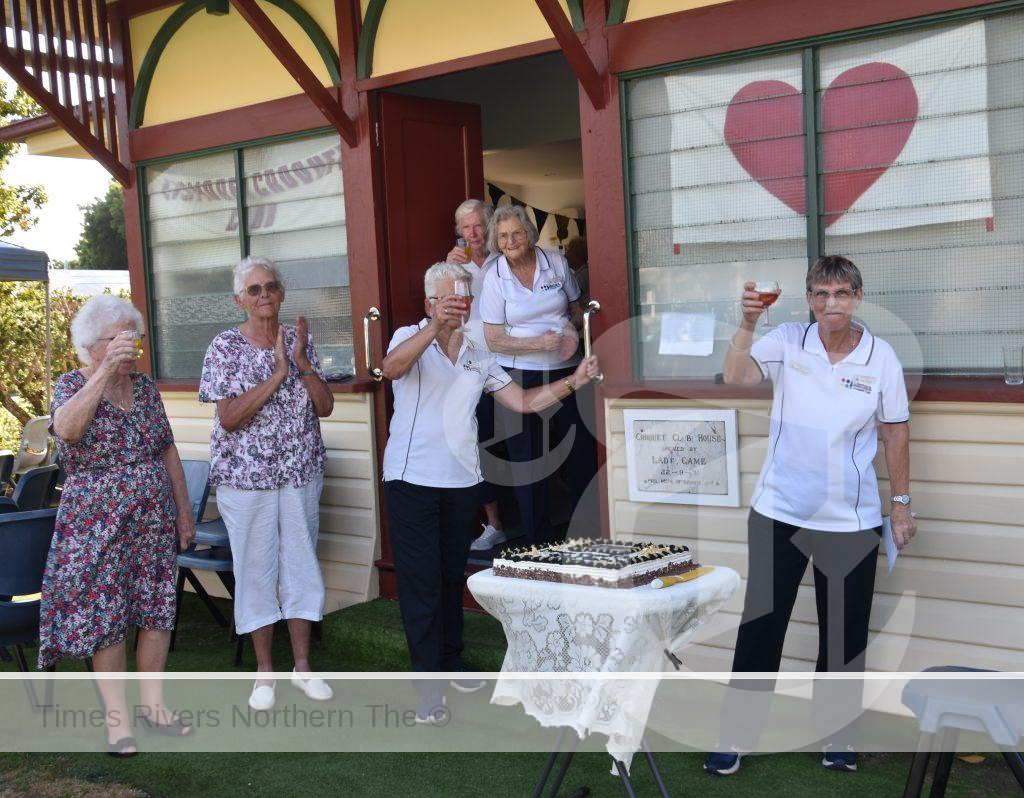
[554, 628]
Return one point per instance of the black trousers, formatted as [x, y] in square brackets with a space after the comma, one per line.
[430, 545]
[528, 440]
[485, 436]
[844, 585]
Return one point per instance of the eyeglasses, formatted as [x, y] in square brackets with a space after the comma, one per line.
[254, 290]
[138, 335]
[842, 295]
[515, 234]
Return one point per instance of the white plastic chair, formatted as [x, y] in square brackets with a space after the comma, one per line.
[34, 449]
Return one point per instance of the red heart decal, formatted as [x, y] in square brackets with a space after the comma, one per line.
[868, 113]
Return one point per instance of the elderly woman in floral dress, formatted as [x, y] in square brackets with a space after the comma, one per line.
[123, 513]
[267, 461]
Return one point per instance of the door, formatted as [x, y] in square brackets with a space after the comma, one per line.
[432, 156]
[431, 160]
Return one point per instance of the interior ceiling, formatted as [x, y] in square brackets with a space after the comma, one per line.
[554, 162]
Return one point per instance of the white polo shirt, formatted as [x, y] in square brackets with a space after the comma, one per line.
[818, 473]
[529, 312]
[474, 327]
[433, 437]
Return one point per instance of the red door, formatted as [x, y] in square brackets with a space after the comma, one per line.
[432, 157]
[431, 160]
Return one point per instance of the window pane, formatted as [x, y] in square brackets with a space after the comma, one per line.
[716, 170]
[193, 245]
[295, 211]
[921, 149]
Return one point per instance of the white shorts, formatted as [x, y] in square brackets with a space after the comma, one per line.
[273, 544]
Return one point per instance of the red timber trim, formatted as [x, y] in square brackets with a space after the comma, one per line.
[458, 64]
[364, 213]
[356, 385]
[575, 53]
[224, 128]
[24, 128]
[606, 241]
[930, 389]
[745, 24]
[297, 68]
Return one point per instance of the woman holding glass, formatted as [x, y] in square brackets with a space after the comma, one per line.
[837, 390]
[531, 314]
[267, 461]
[124, 513]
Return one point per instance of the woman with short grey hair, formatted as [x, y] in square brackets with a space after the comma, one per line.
[531, 315]
[267, 460]
[124, 512]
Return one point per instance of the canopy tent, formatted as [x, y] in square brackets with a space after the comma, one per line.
[18, 263]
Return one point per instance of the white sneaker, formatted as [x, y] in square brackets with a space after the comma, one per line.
[262, 698]
[317, 689]
[490, 538]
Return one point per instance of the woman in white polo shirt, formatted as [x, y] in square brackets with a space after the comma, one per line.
[837, 390]
[432, 472]
[531, 314]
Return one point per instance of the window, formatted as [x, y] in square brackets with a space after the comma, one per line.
[293, 213]
[919, 173]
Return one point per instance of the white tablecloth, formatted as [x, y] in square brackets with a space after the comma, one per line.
[553, 627]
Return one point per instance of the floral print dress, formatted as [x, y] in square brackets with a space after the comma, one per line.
[112, 560]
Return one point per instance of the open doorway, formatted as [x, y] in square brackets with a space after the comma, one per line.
[531, 154]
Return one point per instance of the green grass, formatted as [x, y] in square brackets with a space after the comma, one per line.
[369, 637]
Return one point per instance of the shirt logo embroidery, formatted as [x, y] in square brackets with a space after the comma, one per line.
[469, 365]
[857, 384]
[551, 286]
[865, 378]
[800, 367]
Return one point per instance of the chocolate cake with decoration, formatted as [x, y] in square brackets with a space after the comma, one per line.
[603, 563]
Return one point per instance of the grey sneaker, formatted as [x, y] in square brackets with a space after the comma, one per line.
[432, 710]
[469, 685]
[490, 538]
[843, 760]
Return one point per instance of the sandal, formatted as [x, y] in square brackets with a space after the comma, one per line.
[117, 748]
[176, 728]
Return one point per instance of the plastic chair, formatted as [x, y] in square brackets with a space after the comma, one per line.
[24, 543]
[215, 555]
[6, 467]
[8, 505]
[33, 489]
[34, 449]
[993, 706]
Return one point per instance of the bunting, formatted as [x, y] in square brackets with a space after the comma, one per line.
[563, 224]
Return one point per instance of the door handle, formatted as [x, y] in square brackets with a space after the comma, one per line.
[593, 307]
[371, 315]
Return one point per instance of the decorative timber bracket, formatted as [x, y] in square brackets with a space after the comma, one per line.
[61, 55]
[576, 54]
[329, 106]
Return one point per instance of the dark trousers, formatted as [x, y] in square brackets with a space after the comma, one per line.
[430, 546]
[844, 585]
[485, 435]
[528, 440]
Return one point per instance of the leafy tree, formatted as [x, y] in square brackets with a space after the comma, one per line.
[102, 245]
[18, 203]
[23, 345]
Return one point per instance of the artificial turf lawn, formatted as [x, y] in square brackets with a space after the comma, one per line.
[369, 637]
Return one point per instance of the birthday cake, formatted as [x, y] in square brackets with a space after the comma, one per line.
[603, 563]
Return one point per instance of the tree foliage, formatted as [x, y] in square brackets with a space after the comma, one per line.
[18, 203]
[102, 245]
[23, 345]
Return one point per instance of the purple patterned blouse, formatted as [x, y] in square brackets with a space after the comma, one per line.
[280, 445]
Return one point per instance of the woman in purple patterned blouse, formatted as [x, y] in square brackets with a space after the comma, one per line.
[267, 461]
[124, 512]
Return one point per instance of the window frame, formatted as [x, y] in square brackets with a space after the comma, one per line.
[808, 48]
[237, 149]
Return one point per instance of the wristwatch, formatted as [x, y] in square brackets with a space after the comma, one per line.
[903, 498]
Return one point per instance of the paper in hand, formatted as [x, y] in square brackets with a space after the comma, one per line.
[891, 550]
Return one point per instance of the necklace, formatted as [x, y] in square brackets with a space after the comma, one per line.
[120, 404]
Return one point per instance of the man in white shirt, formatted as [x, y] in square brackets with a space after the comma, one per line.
[471, 218]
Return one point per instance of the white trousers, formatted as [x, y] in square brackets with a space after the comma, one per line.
[273, 544]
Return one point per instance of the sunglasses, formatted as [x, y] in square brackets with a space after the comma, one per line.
[254, 290]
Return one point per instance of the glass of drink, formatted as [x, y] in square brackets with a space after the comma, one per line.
[464, 289]
[465, 247]
[767, 291]
[1013, 365]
